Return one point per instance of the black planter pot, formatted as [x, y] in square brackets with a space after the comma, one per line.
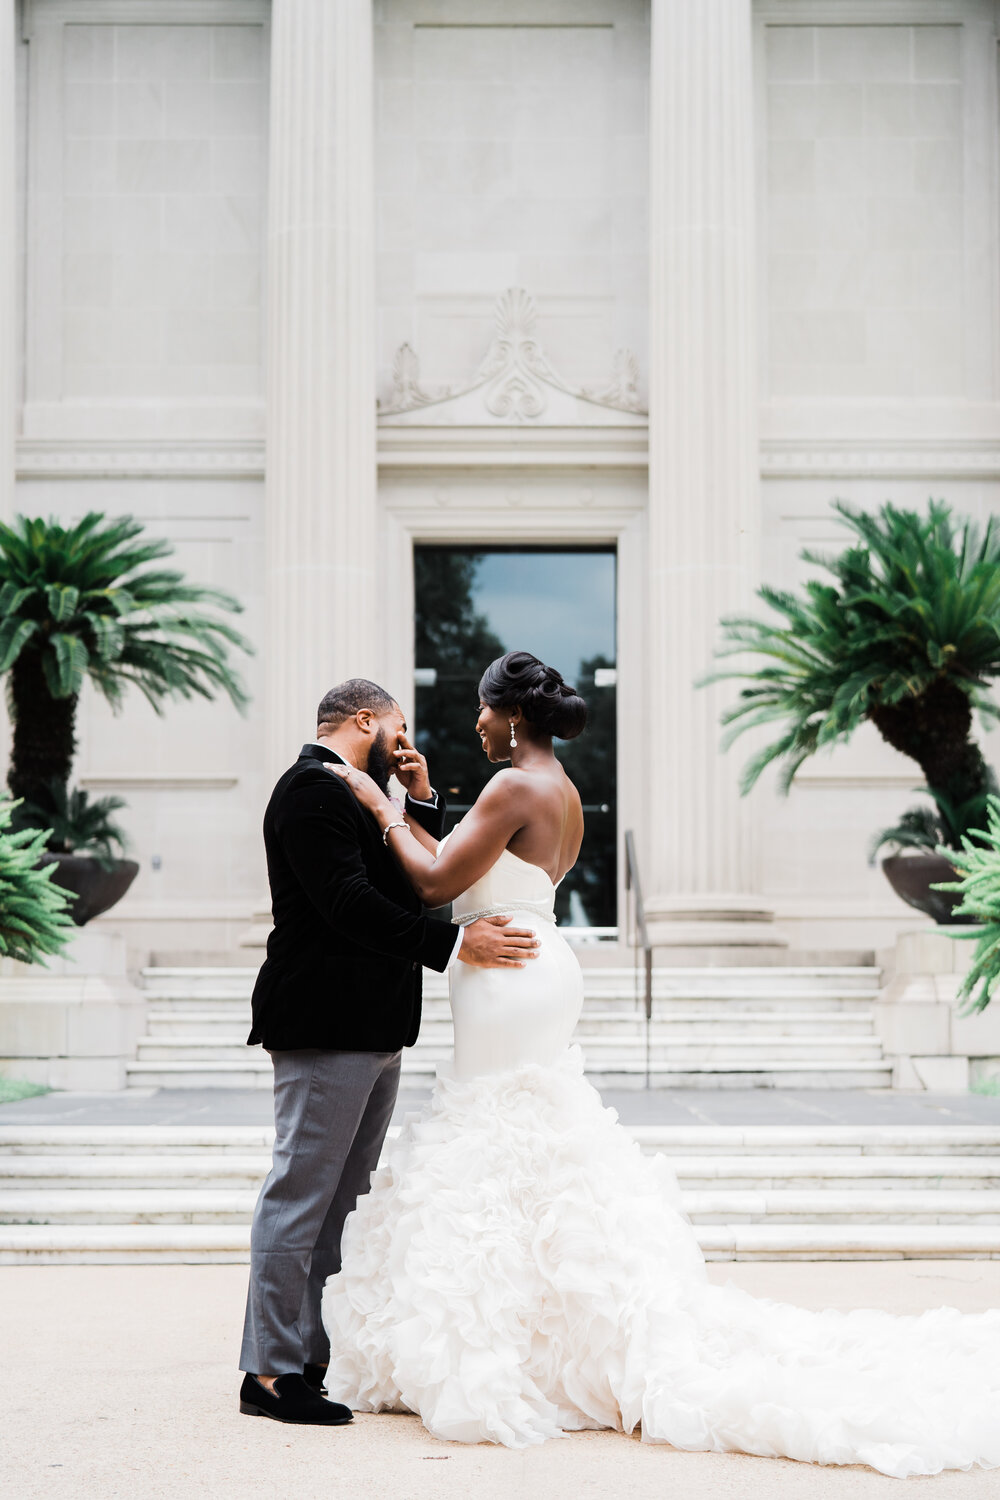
[95, 889]
[911, 877]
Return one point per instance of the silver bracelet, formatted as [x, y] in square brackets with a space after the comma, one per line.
[388, 829]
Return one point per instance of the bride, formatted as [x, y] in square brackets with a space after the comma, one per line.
[520, 1268]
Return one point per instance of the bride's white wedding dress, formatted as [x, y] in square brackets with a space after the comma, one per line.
[520, 1268]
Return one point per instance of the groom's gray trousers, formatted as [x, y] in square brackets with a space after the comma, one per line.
[331, 1113]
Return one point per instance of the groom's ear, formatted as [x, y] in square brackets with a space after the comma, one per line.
[365, 720]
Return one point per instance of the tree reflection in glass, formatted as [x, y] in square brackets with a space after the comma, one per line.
[473, 604]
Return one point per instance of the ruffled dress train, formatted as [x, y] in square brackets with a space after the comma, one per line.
[520, 1269]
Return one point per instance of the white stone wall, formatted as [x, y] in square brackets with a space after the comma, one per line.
[511, 154]
[21, 190]
[146, 175]
[865, 211]
[163, 142]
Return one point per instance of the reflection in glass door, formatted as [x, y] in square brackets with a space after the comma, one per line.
[475, 603]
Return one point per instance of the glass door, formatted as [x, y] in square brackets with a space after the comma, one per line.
[475, 603]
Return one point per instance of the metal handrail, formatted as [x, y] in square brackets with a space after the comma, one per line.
[639, 935]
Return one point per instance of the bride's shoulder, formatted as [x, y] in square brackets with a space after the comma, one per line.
[509, 785]
[502, 784]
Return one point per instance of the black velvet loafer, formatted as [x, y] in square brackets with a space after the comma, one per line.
[292, 1400]
[313, 1375]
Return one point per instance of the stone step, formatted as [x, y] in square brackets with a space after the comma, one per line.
[766, 982]
[144, 1244]
[233, 1169]
[196, 1170]
[606, 1054]
[199, 981]
[846, 1147]
[864, 1205]
[722, 1206]
[189, 1141]
[772, 986]
[849, 1241]
[724, 1046]
[765, 1073]
[145, 1205]
[851, 1145]
[601, 1050]
[253, 1073]
[219, 1024]
[437, 1025]
[681, 1050]
[626, 1000]
[201, 1049]
[626, 1073]
[709, 981]
[123, 1244]
[735, 1010]
[668, 1023]
[813, 1173]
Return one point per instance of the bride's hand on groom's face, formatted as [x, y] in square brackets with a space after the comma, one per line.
[361, 784]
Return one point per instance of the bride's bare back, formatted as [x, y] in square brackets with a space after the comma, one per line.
[552, 832]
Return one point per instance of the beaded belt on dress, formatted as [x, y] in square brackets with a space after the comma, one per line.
[536, 908]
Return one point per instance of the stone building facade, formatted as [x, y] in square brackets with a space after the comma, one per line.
[308, 283]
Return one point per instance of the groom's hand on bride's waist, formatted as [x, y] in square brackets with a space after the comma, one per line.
[490, 943]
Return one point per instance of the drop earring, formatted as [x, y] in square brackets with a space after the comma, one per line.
[513, 741]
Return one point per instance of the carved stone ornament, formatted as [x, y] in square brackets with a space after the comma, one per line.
[515, 381]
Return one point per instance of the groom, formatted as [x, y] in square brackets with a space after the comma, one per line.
[337, 998]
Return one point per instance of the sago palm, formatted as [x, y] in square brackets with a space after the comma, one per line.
[83, 603]
[907, 635]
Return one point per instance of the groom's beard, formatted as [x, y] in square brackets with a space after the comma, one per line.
[380, 764]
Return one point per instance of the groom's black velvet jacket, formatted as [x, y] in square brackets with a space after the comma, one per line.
[350, 936]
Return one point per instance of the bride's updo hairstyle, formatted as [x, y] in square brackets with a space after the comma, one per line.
[520, 680]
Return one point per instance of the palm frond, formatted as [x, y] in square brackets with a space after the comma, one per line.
[76, 823]
[917, 828]
[90, 601]
[34, 913]
[914, 600]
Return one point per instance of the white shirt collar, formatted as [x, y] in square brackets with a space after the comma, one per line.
[330, 751]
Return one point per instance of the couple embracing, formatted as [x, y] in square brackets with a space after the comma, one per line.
[515, 1268]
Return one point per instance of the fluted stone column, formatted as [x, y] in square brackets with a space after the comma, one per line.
[321, 459]
[703, 461]
[8, 257]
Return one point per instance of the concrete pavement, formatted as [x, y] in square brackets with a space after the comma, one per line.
[121, 1384]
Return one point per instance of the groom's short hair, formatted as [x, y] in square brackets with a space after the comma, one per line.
[349, 698]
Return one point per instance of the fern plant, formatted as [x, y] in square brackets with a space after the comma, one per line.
[978, 884]
[34, 913]
[906, 636]
[85, 603]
